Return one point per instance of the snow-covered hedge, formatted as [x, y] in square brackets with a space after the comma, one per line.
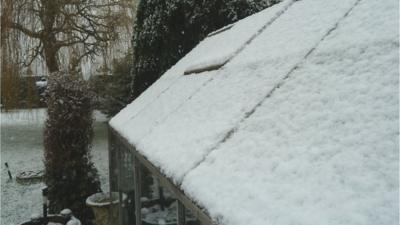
[69, 173]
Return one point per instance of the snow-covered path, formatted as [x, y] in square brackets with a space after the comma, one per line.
[22, 148]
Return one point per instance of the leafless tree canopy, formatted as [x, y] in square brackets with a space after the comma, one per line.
[84, 27]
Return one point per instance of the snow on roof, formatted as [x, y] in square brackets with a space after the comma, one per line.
[299, 127]
[217, 50]
[169, 80]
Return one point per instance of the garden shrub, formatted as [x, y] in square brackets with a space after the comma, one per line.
[69, 173]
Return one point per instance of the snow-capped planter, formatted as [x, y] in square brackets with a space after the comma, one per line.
[105, 207]
[29, 177]
[155, 216]
[55, 219]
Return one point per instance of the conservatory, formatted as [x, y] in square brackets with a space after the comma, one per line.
[289, 116]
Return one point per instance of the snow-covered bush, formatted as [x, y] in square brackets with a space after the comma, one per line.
[69, 173]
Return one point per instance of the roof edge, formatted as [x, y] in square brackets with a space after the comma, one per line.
[200, 213]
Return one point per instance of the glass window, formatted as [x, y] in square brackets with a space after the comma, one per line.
[126, 186]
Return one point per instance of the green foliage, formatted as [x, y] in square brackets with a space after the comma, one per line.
[69, 173]
[166, 30]
[113, 92]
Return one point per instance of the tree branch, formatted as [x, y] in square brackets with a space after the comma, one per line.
[23, 29]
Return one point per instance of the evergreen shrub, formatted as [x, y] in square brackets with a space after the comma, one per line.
[69, 173]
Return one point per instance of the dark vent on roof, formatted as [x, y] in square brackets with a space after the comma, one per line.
[204, 69]
[225, 28]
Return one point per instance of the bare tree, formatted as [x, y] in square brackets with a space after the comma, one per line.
[55, 32]
[86, 27]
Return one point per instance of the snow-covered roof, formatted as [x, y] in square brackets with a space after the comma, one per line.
[298, 126]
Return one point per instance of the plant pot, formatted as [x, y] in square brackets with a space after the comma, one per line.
[105, 209]
[30, 177]
[153, 215]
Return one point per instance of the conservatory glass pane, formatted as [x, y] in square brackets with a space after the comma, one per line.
[126, 186]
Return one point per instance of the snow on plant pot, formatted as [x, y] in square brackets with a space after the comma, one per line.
[155, 216]
[29, 177]
[105, 207]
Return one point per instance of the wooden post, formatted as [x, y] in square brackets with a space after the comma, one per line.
[181, 214]
[45, 192]
[8, 171]
[138, 192]
[112, 161]
[162, 199]
[118, 163]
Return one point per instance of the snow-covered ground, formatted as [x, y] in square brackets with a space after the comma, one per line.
[22, 148]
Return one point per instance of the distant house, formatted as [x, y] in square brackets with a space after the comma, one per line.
[289, 116]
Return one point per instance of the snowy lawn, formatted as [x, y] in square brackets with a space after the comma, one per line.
[22, 148]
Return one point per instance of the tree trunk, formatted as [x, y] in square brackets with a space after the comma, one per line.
[50, 53]
[49, 40]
